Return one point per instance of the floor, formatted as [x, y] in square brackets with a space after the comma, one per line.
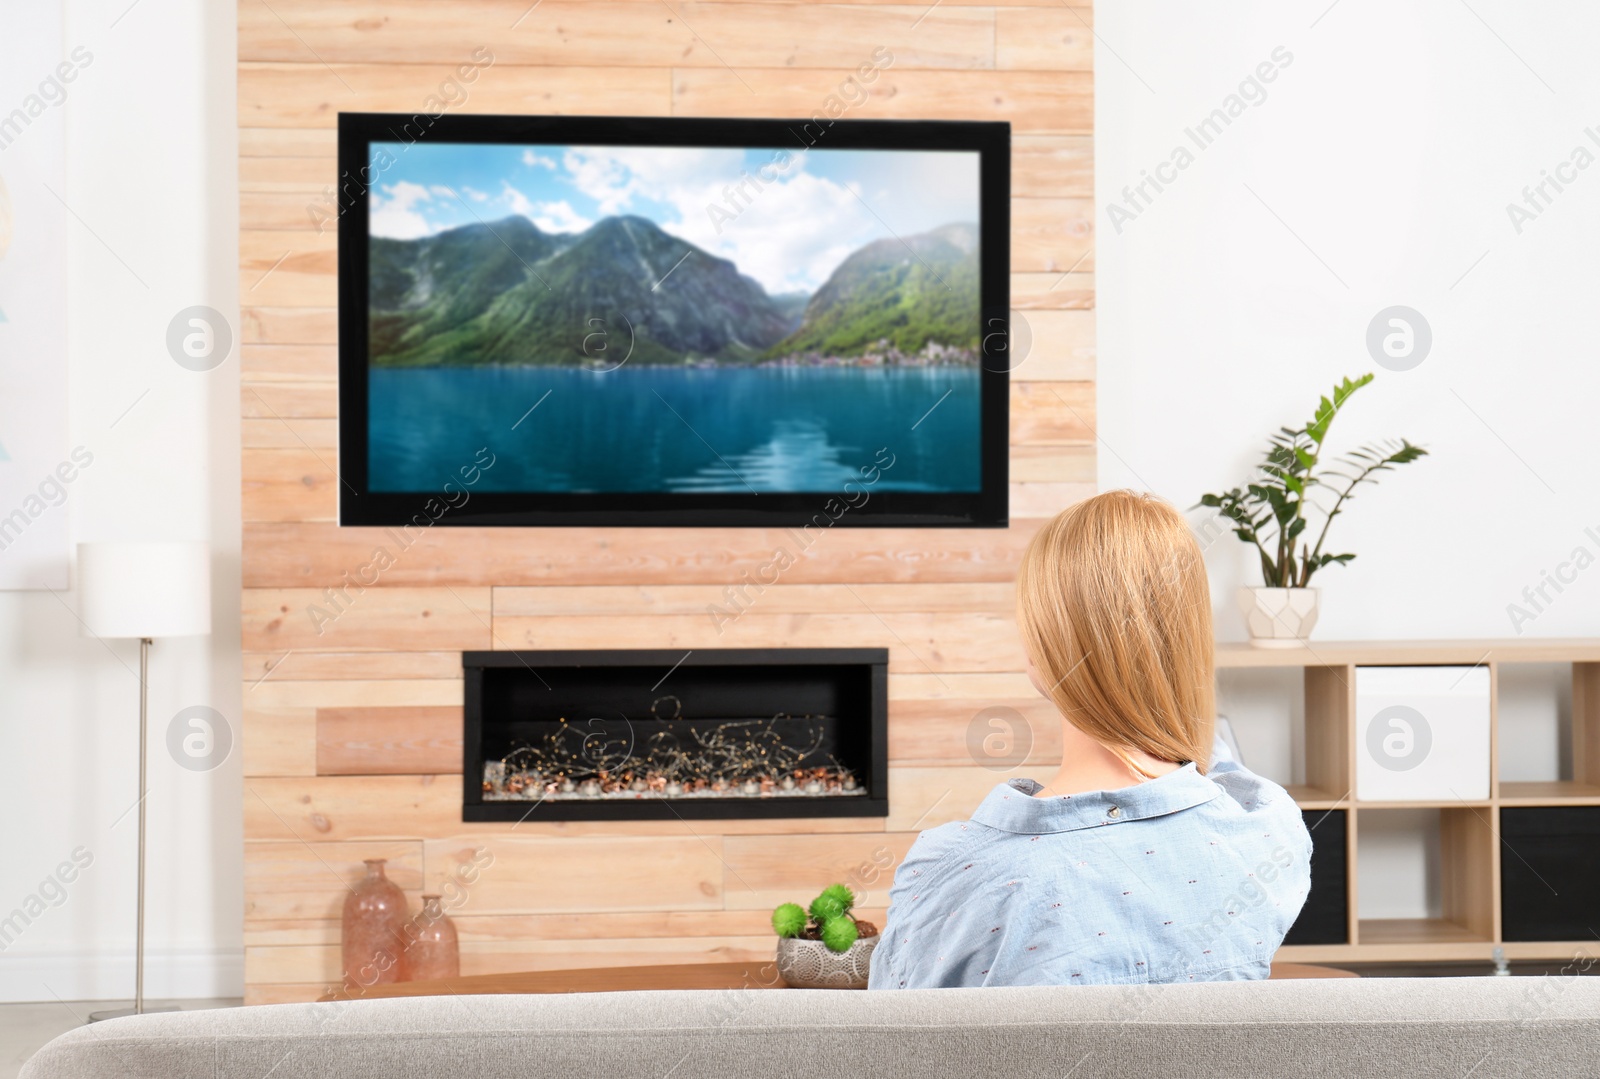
[24, 1028]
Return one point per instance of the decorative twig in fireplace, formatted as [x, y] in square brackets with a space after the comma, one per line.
[737, 758]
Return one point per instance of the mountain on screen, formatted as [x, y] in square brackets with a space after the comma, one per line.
[505, 292]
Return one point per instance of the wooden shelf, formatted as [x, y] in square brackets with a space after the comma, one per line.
[1242, 654]
[1378, 931]
[1413, 951]
[1307, 797]
[1556, 792]
[1468, 847]
[1469, 803]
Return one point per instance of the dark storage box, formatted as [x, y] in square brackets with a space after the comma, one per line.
[1325, 919]
[1550, 872]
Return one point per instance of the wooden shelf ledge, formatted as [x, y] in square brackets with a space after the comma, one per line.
[1379, 931]
[1242, 654]
[1554, 792]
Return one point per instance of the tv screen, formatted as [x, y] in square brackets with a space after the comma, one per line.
[585, 321]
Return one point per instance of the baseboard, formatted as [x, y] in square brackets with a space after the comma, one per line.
[49, 976]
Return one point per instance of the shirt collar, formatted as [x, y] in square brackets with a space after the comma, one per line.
[1011, 807]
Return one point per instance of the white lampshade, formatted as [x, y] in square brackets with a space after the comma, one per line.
[145, 589]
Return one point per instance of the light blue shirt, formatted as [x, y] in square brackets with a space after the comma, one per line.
[1186, 877]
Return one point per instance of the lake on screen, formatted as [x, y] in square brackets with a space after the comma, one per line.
[658, 429]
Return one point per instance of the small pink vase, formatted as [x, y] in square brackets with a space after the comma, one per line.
[373, 930]
[435, 950]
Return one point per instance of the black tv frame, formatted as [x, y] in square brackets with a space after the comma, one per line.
[985, 508]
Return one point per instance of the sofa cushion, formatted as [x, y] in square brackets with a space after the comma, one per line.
[1314, 1028]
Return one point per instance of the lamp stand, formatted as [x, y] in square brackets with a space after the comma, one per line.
[138, 945]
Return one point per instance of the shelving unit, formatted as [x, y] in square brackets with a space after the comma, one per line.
[1470, 845]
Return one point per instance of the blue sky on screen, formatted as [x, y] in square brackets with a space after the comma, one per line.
[817, 209]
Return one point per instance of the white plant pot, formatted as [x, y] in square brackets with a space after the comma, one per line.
[1279, 617]
[809, 964]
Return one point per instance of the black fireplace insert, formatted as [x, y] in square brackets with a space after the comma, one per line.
[691, 734]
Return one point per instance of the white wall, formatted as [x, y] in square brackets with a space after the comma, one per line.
[1376, 172]
[151, 173]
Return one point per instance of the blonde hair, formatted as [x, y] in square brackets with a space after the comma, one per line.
[1115, 611]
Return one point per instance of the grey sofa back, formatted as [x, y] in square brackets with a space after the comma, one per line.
[1478, 1027]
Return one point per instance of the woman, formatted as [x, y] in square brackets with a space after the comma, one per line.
[1137, 862]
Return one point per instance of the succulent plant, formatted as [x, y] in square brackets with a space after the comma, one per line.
[828, 917]
[839, 933]
[789, 920]
[834, 901]
[840, 892]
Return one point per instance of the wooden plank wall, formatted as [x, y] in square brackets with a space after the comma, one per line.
[351, 735]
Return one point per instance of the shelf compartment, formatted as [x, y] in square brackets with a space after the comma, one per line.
[1550, 871]
[1382, 931]
[1571, 770]
[1330, 717]
[1586, 723]
[1546, 792]
[1452, 898]
[1307, 797]
[1469, 867]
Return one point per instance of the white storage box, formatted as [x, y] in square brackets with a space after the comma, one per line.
[1422, 734]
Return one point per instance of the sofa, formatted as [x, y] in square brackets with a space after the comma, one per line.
[1455, 1027]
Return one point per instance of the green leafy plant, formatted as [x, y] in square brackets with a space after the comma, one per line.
[1271, 513]
[828, 920]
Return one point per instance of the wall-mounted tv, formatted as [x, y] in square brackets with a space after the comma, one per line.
[602, 321]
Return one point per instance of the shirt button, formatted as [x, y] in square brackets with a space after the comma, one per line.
[1114, 812]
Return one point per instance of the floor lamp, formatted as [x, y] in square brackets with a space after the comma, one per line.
[144, 591]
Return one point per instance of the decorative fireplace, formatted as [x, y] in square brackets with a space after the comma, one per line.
[657, 735]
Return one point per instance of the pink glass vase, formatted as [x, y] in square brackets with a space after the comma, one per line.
[373, 931]
[435, 951]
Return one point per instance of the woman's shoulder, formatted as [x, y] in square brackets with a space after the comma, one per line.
[946, 842]
[939, 852]
[1255, 797]
[1246, 789]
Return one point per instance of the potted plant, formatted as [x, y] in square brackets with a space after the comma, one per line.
[1270, 514]
[824, 947]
